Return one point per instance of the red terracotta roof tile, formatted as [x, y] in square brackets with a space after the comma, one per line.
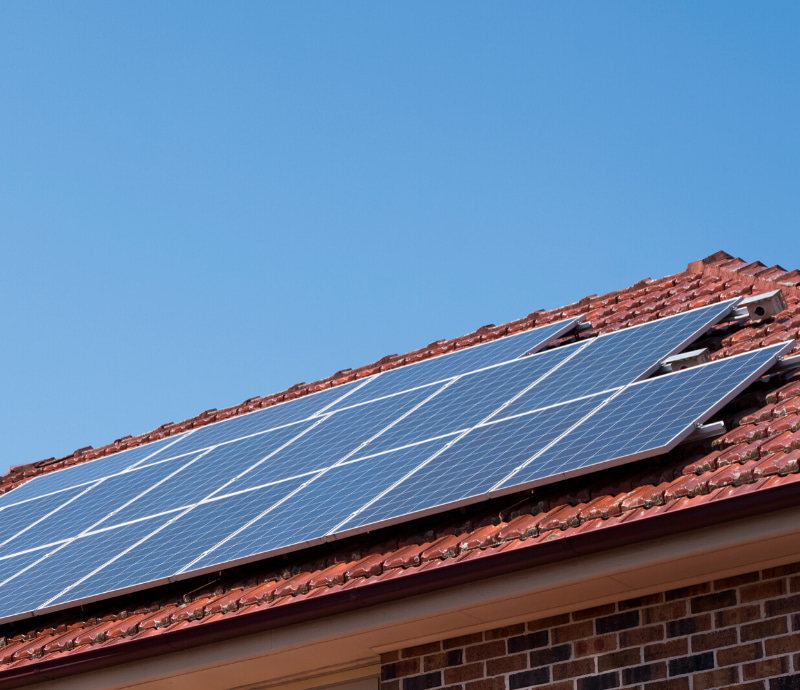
[760, 452]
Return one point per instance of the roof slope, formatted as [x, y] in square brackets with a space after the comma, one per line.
[756, 460]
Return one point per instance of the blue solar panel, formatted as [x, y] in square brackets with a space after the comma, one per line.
[92, 506]
[322, 504]
[618, 358]
[650, 417]
[474, 463]
[323, 465]
[167, 551]
[470, 399]
[342, 433]
[210, 473]
[268, 418]
[65, 565]
[90, 471]
[19, 517]
[460, 362]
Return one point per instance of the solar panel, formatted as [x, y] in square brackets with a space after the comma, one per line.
[347, 459]
[459, 362]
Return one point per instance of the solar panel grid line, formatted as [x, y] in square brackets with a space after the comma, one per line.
[778, 351]
[161, 450]
[495, 420]
[553, 331]
[536, 382]
[320, 473]
[264, 459]
[105, 564]
[750, 375]
[327, 407]
[434, 455]
[152, 487]
[47, 515]
[562, 435]
[186, 510]
[32, 482]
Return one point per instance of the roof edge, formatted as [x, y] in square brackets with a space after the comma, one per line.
[487, 564]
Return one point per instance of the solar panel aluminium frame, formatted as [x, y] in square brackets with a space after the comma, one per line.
[497, 491]
[570, 323]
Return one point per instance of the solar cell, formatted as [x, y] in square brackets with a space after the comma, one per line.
[210, 473]
[92, 506]
[21, 518]
[184, 538]
[322, 504]
[650, 417]
[342, 433]
[268, 418]
[618, 358]
[452, 364]
[89, 471]
[463, 470]
[470, 399]
[64, 565]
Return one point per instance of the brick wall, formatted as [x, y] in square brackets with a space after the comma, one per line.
[741, 632]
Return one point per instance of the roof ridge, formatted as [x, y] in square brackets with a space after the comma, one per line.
[605, 312]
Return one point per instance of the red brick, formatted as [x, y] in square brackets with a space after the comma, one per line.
[433, 662]
[506, 664]
[459, 674]
[665, 650]
[739, 654]
[794, 584]
[627, 657]
[736, 616]
[640, 602]
[507, 631]
[462, 641]
[716, 678]
[389, 657]
[593, 612]
[498, 683]
[762, 590]
[595, 645]
[575, 631]
[571, 669]
[780, 571]
[420, 650]
[487, 650]
[756, 685]
[390, 685]
[782, 645]
[714, 640]
[640, 636]
[550, 622]
[664, 612]
[775, 666]
[767, 628]
[399, 669]
[735, 581]
[672, 684]
[685, 592]
[779, 607]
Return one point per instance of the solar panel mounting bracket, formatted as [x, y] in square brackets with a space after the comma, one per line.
[758, 307]
[684, 360]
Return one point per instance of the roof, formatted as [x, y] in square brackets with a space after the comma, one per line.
[734, 475]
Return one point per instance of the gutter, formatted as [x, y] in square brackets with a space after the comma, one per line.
[468, 570]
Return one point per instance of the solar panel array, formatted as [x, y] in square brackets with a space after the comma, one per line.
[443, 432]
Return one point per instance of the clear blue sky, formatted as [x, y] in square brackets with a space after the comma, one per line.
[202, 202]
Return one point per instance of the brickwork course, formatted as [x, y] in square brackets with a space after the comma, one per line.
[743, 631]
[738, 632]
